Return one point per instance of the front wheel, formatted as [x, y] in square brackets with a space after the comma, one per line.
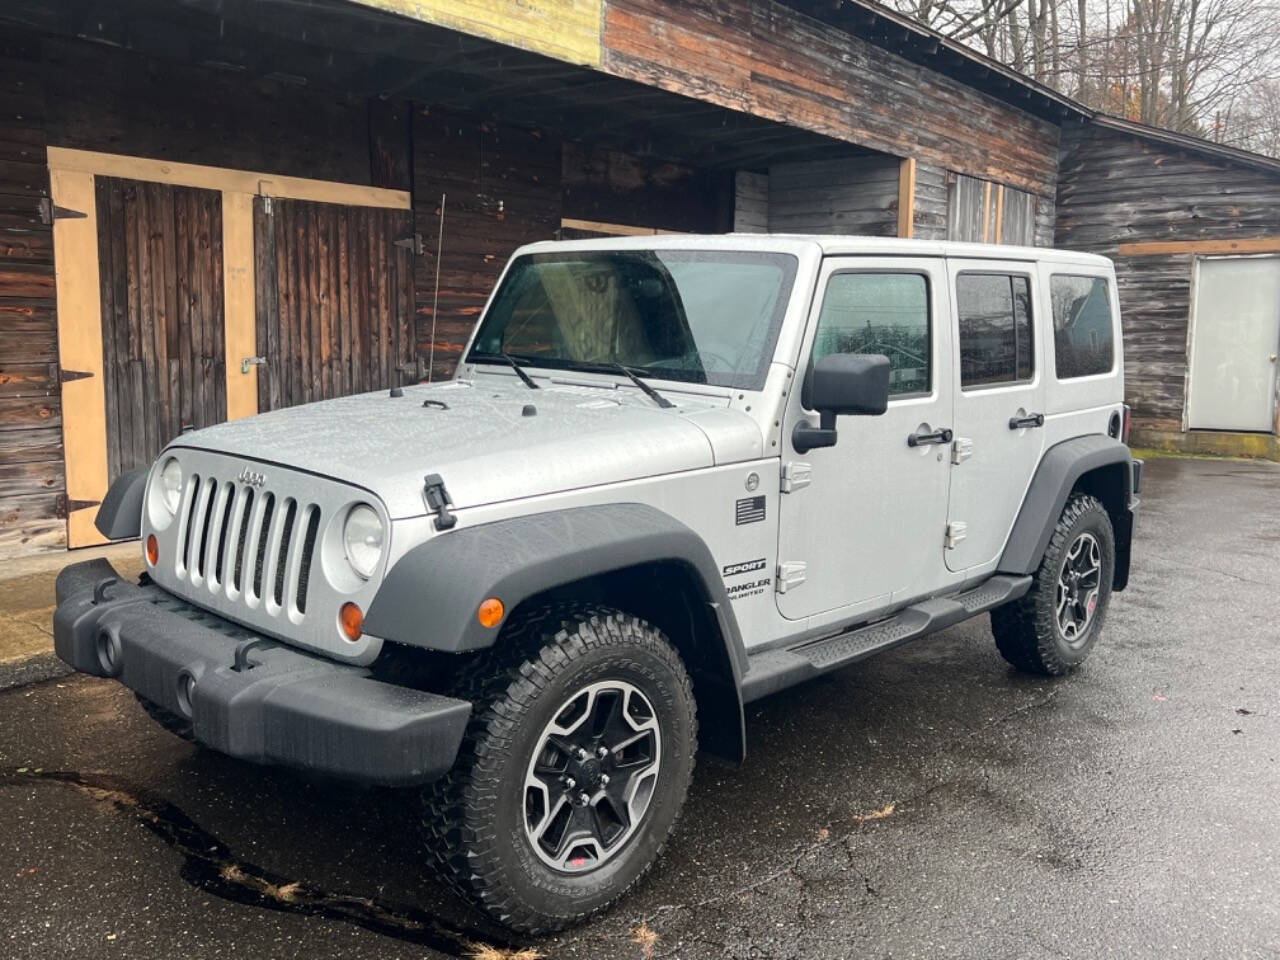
[573, 769]
[1055, 625]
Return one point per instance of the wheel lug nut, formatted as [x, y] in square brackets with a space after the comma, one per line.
[570, 783]
[580, 754]
[604, 779]
[602, 752]
[584, 797]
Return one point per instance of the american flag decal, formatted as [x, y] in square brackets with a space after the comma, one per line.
[750, 510]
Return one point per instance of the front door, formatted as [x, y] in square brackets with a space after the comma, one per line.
[864, 531]
[999, 406]
[1233, 345]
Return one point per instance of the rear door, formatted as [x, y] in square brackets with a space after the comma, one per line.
[999, 405]
[860, 525]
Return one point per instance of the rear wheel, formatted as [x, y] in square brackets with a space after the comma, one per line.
[573, 770]
[1054, 627]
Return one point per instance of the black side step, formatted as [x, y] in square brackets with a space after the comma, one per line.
[772, 670]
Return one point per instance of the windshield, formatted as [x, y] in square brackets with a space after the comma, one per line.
[699, 316]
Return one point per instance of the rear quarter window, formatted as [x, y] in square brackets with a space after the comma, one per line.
[1083, 328]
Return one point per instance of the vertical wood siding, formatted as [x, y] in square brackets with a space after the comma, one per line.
[160, 266]
[766, 59]
[750, 202]
[931, 202]
[32, 481]
[1117, 188]
[334, 300]
[503, 190]
[858, 195]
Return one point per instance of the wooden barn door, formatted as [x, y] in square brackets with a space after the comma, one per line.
[334, 294]
[163, 342]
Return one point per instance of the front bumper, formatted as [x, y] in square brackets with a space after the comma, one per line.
[278, 706]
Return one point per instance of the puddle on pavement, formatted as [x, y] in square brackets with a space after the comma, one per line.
[211, 866]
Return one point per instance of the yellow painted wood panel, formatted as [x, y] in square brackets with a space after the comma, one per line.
[239, 304]
[568, 30]
[1206, 248]
[84, 410]
[907, 197]
[228, 181]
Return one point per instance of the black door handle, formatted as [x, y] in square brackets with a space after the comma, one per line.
[1030, 420]
[938, 436]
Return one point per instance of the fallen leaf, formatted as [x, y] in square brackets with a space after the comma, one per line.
[824, 833]
[1159, 697]
[647, 938]
[1243, 712]
[885, 811]
[485, 951]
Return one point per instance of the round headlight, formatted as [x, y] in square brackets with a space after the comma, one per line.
[363, 537]
[171, 485]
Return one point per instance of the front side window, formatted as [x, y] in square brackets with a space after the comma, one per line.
[995, 324]
[1083, 337]
[698, 316]
[885, 313]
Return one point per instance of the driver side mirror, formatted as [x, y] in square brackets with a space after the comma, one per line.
[852, 384]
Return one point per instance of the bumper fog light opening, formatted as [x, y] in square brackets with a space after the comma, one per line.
[186, 688]
[108, 648]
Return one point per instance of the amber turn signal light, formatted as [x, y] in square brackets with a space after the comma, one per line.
[351, 620]
[153, 550]
[490, 612]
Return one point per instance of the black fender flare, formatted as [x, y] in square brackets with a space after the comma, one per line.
[431, 595]
[1060, 469]
[120, 516]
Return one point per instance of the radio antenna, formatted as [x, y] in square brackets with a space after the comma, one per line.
[435, 297]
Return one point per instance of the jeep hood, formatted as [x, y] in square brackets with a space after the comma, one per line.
[483, 440]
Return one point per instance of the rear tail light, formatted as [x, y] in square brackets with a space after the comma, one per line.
[1124, 431]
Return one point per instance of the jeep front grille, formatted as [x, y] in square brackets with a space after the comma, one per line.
[250, 545]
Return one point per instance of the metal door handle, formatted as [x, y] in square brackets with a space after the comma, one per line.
[1030, 420]
[248, 362]
[938, 436]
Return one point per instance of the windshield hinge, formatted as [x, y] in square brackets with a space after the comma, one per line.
[438, 500]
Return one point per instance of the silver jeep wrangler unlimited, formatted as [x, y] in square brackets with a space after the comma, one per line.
[670, 476]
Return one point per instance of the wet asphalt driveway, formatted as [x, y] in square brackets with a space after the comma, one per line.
[927, 803]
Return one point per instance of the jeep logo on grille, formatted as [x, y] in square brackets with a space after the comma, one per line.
[252, 478]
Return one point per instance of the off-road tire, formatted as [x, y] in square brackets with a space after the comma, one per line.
[178, 726]
[473, 821]
[1027, 631]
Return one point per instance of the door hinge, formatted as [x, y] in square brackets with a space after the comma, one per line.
[961, 449]
[49, 212]
[64, 507]
[791, 573]
[796, 475]
[412, 243]
[66, 376]
[957, 530]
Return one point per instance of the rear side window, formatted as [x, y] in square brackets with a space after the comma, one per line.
[885, 313]
[1083, 337]
[994, 317]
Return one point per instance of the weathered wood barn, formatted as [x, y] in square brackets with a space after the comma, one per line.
[210, 208]
[1194, 230]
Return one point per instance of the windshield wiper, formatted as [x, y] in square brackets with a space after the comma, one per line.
[653, 394]
[528, 380]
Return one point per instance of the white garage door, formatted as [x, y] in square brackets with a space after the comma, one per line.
[1234, 342]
